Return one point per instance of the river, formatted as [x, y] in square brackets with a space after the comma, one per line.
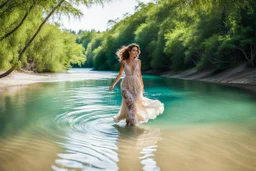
[65, 124]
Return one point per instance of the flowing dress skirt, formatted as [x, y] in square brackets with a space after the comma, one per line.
[135, 107]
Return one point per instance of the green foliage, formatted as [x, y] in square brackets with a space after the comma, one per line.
[176, 35]
[99, 59]
[145, 36]
[173, 35]
[58, 53]
[46, 50]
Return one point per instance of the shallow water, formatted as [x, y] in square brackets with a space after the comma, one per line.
[65, 124]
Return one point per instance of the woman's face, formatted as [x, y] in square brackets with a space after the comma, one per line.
[134, 52]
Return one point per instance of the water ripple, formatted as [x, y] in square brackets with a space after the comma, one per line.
[73, 120]
[91, 139]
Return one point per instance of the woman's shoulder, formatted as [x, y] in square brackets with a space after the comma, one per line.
[122, 61]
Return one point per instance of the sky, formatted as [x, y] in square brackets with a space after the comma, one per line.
[96, 17]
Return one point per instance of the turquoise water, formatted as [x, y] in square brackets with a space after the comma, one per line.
[65, 124]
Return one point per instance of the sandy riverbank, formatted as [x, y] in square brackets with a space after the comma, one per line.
[236, 75]
[239, 76]
[21, 78]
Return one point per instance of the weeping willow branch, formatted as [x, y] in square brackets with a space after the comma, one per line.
[16, 28]
[31, 40]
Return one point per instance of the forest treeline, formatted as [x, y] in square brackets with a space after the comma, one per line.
[173, 35]
[179, 34]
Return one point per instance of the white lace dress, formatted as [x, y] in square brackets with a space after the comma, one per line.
[135, 107]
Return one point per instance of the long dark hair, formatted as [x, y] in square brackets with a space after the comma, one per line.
[123, 53]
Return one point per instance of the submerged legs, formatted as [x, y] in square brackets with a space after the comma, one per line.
[130, 103]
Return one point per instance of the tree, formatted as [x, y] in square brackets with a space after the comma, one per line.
[176, 35]
[55, 8]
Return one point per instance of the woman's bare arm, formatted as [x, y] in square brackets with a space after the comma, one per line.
[140, 77]
[118, 76]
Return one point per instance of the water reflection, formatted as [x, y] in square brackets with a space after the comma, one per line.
[99, 145]
[136, 147]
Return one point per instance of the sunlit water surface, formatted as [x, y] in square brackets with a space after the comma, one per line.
[65, 124]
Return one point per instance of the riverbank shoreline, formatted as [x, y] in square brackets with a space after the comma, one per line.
[18, 78]
[239, 76]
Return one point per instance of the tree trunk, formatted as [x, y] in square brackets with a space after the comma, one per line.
[8, 72]
[16, 28]
[245, 55]
[252, 48]
[31, 40]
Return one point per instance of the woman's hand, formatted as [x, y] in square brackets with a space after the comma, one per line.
[110, 88]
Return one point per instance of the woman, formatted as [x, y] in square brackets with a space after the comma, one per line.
[135, 108]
